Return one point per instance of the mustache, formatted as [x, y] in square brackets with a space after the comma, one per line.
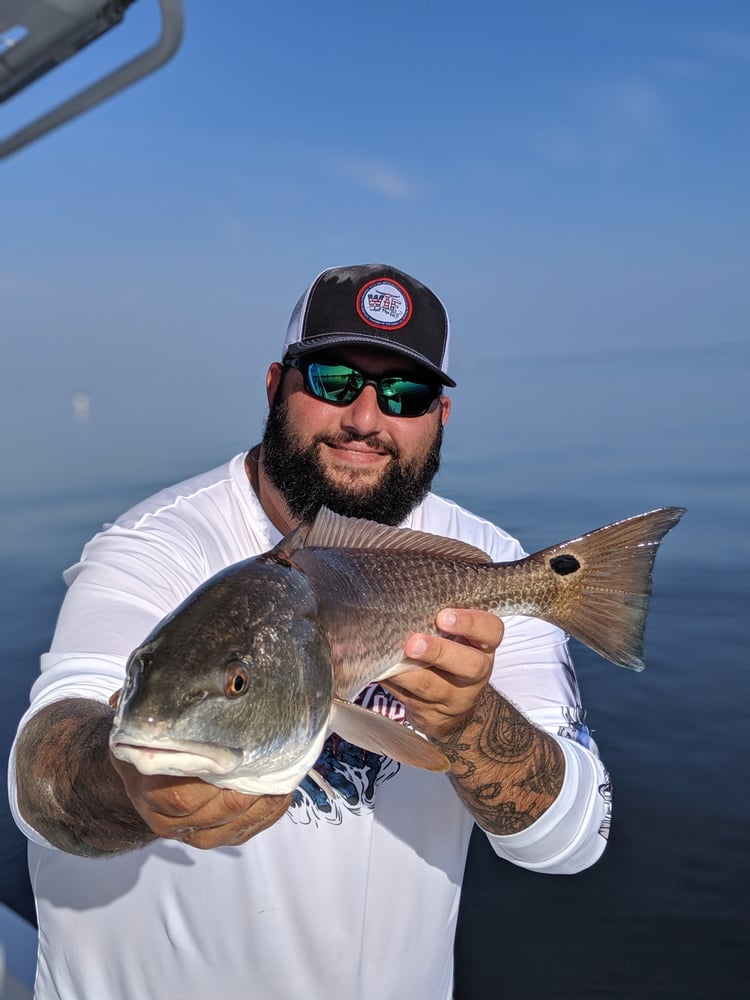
[349, 437]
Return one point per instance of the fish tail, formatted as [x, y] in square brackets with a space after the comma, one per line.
[603, 584]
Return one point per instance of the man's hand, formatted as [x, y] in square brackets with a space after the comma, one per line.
[441, 698]
[198, 813]
[505, 769]
[194, 811]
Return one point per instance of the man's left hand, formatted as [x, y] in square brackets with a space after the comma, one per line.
[440, 698]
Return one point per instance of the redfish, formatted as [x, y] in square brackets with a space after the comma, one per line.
[244, 681]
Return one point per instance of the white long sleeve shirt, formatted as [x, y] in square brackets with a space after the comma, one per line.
[355, 898]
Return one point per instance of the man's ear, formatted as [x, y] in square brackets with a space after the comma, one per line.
[445, 409]
[273, 381]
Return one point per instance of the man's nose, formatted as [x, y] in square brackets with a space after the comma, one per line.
[363, 415]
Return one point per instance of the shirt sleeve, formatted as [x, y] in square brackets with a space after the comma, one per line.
[124, 584]
[572, 834]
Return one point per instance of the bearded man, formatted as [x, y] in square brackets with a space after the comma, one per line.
[163, 886]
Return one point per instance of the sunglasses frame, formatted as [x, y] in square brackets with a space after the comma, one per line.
[303, 366]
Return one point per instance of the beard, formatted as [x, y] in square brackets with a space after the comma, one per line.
[297, 473]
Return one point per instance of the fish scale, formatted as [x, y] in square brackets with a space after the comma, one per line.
[371, 601]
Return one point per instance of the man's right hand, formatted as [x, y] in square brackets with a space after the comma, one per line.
[197, 813]
[77, 795]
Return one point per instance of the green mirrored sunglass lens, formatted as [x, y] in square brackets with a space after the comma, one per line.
[334, 382]
[342, 384]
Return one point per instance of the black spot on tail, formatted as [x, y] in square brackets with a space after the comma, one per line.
[565, 564]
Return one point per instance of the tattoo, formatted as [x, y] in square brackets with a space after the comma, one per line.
[506, 770]
[68, 789]
[507, 735]
[543, 778]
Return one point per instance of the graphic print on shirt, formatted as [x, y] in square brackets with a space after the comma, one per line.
[353, 773]
[605, 790]
[575, 729]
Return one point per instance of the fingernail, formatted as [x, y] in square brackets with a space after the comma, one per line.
[417, 646]
[448, 619]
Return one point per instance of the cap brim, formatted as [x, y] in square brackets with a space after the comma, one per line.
[314, 345]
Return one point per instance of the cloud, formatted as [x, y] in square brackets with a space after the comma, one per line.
[639, 104]
[561, 146]
[611, 124]
[730, 43]
[375, 175]
[680, 68]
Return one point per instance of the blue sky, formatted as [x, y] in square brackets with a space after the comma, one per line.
[569, 176]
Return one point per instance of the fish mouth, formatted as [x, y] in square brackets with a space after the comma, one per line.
[174, 757]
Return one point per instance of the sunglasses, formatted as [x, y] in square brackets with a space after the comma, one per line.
[341, 384]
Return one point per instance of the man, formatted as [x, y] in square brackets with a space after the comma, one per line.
[170, 887]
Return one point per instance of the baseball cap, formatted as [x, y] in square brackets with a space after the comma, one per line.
[373, 304]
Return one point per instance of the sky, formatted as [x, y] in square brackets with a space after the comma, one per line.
[571, 178]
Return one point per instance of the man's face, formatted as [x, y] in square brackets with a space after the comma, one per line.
[353, 459]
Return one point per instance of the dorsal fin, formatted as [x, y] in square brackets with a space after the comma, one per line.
[330, 530]
[291, 542]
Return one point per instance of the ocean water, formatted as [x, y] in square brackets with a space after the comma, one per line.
[548, 449]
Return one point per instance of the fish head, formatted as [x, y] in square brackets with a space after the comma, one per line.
[238, 677]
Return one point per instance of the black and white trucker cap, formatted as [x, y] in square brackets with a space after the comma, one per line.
[372, 304]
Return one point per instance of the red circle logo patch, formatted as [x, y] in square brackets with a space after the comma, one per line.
[384, 304]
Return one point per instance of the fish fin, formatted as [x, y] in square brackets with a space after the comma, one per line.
[330, 530]
[292, 541]
[375, 732]
[347, 682]
[321, 782]
[399, 668]
[605, 583]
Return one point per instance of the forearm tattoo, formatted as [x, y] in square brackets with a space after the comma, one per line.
[506, 770]
[67, 788]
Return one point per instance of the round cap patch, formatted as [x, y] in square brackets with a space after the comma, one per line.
[384, 304]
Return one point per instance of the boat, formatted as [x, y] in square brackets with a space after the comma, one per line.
[37, 35]
[18, 947]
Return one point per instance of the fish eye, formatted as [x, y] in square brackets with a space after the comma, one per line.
[236, 680]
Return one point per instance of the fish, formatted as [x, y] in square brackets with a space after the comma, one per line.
[244, 681]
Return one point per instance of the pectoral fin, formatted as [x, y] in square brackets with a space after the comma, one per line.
[375, 732]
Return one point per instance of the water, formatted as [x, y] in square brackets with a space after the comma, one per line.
[547, 450]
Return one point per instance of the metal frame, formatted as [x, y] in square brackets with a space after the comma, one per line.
[148, 61]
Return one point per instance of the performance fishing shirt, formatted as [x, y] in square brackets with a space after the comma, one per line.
[355, 897]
